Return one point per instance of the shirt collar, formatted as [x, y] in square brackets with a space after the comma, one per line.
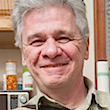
[91, 90]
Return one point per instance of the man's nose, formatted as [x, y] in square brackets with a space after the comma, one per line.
[51, 49]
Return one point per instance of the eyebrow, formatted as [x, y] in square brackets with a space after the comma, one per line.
[30, 37]
[55, 34]
[70, 34]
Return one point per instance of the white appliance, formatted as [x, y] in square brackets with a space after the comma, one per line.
[12, 100]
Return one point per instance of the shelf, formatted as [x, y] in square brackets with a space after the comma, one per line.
[6, 33]
[7, 40]
[5, 23]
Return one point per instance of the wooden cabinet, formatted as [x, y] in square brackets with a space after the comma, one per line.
[7, 40]
[6, 33]
[6, 7]
[5, 23]
[6, 30]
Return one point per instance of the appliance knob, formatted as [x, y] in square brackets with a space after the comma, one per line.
[23, 99]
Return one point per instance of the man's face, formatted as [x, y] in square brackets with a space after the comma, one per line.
[53, 49]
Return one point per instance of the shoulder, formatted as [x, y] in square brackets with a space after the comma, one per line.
[103, 98]
[101, 94]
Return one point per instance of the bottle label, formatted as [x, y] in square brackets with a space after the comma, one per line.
[11, 81]
[28, 85]
[20, 87]
[28, 81]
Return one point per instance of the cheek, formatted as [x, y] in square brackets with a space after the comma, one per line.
[70, 50]
[26, 52]
[31, 54]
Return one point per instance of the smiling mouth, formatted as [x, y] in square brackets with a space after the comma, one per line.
[54, 65]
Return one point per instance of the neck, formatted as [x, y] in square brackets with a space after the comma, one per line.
[70, 96]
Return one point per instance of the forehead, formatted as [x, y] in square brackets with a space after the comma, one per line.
[51, 10]
[49, 13]
[49, 19]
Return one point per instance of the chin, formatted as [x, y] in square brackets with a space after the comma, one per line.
[55, 83]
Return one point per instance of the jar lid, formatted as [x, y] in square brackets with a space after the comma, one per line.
[12, 61]
[11, 73]
[25, 69]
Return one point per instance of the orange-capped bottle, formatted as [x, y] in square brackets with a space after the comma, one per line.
[11, 75]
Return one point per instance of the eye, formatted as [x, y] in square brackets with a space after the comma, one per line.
[37, 42]
[63, 39]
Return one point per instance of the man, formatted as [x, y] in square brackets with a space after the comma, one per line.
[53, 38]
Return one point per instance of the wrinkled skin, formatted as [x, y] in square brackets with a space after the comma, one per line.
[53, 49]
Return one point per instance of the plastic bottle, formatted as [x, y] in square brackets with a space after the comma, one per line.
[27, 80]
[20, 84]
[11, 75]
[4, 82]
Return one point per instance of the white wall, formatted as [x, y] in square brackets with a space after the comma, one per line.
[14, 54]
[89, 67]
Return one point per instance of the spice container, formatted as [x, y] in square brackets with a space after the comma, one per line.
[11, 76]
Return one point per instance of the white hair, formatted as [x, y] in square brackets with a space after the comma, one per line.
[21, 7]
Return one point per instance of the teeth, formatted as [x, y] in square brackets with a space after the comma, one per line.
[55, 65]
[59, 65]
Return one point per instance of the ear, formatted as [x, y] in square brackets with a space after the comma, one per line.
[87, 50]
[23, 59]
